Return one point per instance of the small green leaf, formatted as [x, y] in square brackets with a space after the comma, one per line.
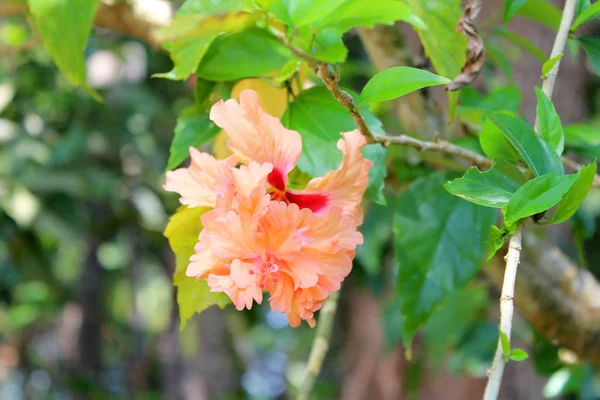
[193, 296]
[440, 243]
[511, 7]
[591, 46]
[549, 65]
[543, 12]
[329, 47]
[65, 26]
[396, 82]
[491, 188]
[193, 129]
[532, 149]
[588, 14]
[518, 355]
[575, 196]
[521, 41]
[246, 54]
[320, 119]
[505, 342]
[495, 145]
[551, 128]
[497, 237]
[538, 195]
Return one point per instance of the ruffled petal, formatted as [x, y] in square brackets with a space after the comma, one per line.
[240, 297]
[201, 183]
[257, 136]
[248, 178]
[345, 186]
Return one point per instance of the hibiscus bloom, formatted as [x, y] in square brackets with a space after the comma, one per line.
[297, 245]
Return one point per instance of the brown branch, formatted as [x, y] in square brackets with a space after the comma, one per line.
[9, 9]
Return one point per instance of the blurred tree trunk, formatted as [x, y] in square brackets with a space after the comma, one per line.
[89, 340]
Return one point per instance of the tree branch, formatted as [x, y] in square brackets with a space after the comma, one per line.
[506, 312]
[514, 248]
[320, 347]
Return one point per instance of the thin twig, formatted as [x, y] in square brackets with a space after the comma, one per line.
[506, 312]
[320, 347]
[514, 248]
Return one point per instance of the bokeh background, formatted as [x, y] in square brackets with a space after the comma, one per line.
[87, 308]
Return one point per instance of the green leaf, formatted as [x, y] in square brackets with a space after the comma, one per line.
[521, 41]
[320, 119]
[532, 149]
[588, 14]
[304, 12]
[445, 47]
[582, 5]
[496, 241]
[329, 47]
[518, 355]
[440, 242]
[551, 128]
[543, 12]
[538, 195]
[511, 7]
[396, 82]
[192, 296]
[575, 196]
[65, 26]
[366, 13]
[192, 31]
[242, 55]
[193, 129]
[591, 46]
[582, 136]
[505, 342]
[492, 188]
[495, 145]
[549, 65]
[452, 320]
[377, 232]
[566, 380]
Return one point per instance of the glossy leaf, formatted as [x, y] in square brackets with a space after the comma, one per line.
[440, 242]
[588, 14]
[492, 188]
[192, 295]
[192, 31]
[367, 13]
[65, 26]
[320, 119]
[495, 145]
[193, 129]
[445, 47]
[377, 232]
[543, 12]
[242, 55]
[396, 82]
[511, 7]
[575, 196]
[551, 128]
[538, 195]
[329, 47]
[591, 46]
[532, 149]
[549, 65]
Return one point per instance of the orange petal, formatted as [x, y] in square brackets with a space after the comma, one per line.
[257, 136]
[345, 186]
[200, 183]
